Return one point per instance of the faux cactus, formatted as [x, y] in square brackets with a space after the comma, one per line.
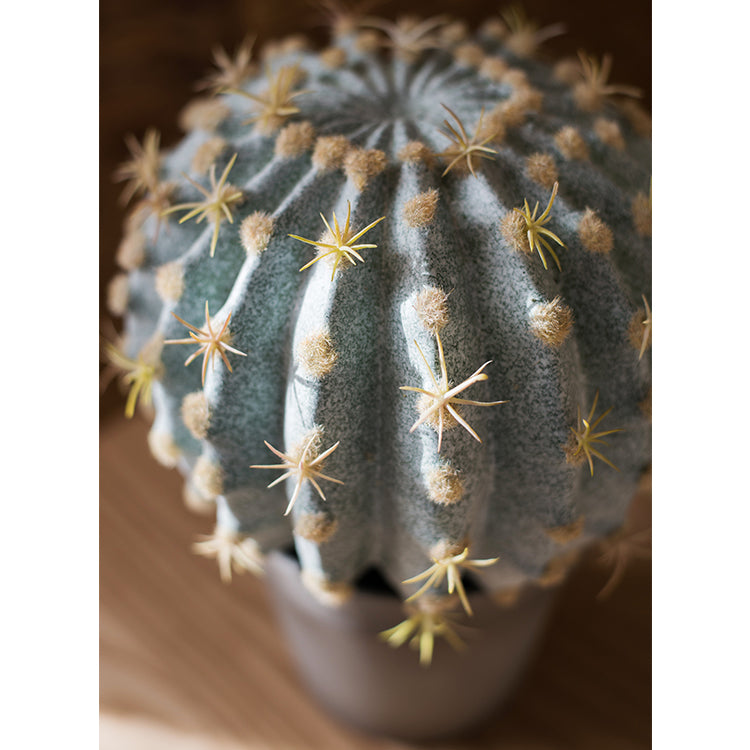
[391, 301]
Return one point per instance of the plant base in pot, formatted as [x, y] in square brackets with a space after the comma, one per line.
[358, 678]
[361, 381]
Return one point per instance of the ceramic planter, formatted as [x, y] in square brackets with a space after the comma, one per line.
[366, 683]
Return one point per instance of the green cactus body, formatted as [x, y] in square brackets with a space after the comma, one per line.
[397, 498]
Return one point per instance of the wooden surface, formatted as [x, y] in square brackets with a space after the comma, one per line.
[188, 663]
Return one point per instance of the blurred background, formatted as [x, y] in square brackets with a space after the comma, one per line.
[187, 662]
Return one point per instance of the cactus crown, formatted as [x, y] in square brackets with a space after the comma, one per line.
[366, 362]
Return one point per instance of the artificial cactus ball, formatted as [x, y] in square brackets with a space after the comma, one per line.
[391, 302]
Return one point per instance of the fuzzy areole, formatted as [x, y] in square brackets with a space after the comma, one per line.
[413, 158]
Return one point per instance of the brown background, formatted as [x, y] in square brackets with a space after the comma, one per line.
[153, 51]
[190, 664]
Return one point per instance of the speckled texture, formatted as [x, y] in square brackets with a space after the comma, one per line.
[517, 482]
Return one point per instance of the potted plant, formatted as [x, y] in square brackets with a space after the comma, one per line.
[391, 302]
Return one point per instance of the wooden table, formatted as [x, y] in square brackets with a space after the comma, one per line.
[188, 663]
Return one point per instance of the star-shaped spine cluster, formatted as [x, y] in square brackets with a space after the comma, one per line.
[218, 202]
[372, 133]
[439, 406]
[210, 343]
[338, 243]
[305, 464]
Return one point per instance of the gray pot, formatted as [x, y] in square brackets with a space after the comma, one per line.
[366, 683]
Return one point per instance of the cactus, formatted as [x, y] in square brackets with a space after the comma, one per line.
[380, 317]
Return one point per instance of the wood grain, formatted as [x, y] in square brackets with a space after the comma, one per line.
[191, 664]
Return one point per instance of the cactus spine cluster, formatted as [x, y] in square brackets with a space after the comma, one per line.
[411, 275]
